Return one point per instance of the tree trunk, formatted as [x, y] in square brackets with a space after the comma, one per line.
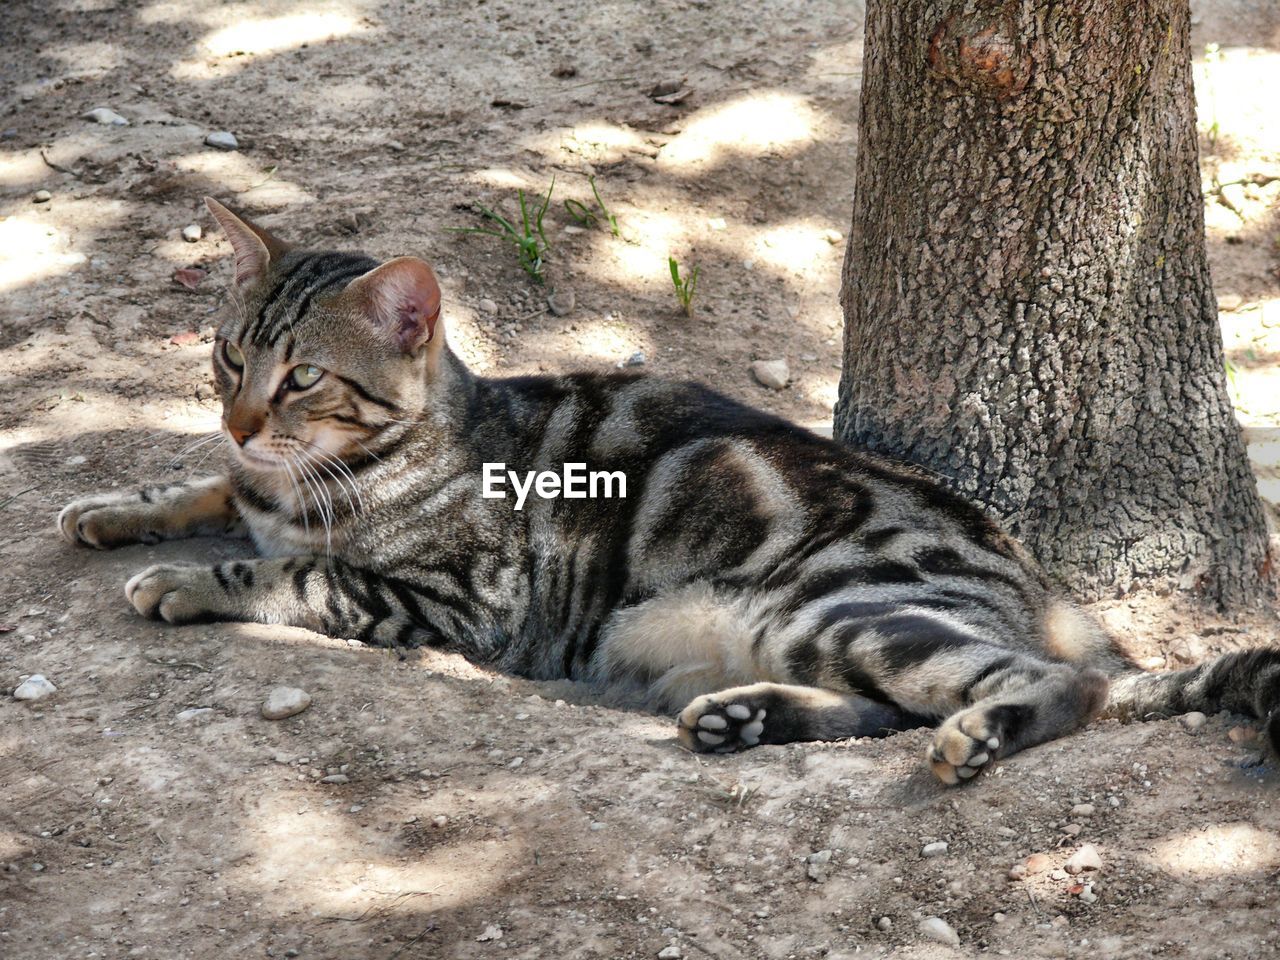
[1028, 309]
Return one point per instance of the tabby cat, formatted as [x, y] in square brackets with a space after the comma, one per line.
[774, 584]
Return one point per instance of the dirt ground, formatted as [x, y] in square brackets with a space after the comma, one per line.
[425, 808]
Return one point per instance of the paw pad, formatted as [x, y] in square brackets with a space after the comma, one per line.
[708, 725]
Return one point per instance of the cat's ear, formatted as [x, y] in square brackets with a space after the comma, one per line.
[255, 248]
[402, 299]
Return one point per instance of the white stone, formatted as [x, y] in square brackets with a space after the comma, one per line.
[936, 849]
[935, 928]
[670, 953]
[41, 196]
[285, 702]
[1228, 302]
[223, 140]
[885, 924]
[192, 232]
[1082, 810]
[1193, 721]
[562, 302]
[773, 374]
[35, 687]
[491, 932]
[1086, 858]
[105, 116]
[194, 713]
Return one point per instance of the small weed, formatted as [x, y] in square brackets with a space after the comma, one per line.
[734, 796]
[589, 218]
[684, 286]
[530, 242]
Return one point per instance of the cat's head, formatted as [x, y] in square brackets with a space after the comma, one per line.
[324, 351]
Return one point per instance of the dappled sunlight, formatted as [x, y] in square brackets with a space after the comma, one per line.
[606, 340]
[802, 247]
[19, 169]
[350, 869]
[1228, 850]
[651, 237]
[238, 44]
[765, 121]
[239, 174]
[596, 142]
[31, 251]
[92, 408]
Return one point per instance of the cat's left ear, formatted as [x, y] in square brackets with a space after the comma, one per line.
[255, 247]
[402, 299]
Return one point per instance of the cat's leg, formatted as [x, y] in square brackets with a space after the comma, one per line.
[784, 713]
[1022, 704]
[317, 593]
[108, 520]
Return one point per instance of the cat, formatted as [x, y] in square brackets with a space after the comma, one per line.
[770, 585]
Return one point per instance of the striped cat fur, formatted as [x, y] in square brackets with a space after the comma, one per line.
[769, 585]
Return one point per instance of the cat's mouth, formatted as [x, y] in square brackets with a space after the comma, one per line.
[260, 461]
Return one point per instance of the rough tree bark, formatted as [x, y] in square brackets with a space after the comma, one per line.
[1027, 301]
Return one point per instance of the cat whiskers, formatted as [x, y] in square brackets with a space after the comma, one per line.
[345, 479]
[320, 494]
[193, 447]
[297, 492]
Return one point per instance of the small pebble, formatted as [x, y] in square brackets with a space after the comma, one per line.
[491, 932]
[832, 236]
[637, 359]
[999, 917]
[1018, 871]
[285, 702]
[105, 116]
[1086, 858]
[884, 924]
[821, 857]
[935, 928]
[440, 821]
[192, 232]
[1193, 721]
[1087, 895]
[1082, 810]
[670, 953]
[35, 687]
[1072, 829]
[1230, 301]
[773, 374]
[41, 196]
[395, 145]
[1039, 863]
[1242, 734]
[936, 849]
[336, 778]
[562, 302]
[222, 140]
[194, 713]
[488, 306]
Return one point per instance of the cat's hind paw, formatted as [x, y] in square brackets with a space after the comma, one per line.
[965, 743]
[717, 723]
[177, 594]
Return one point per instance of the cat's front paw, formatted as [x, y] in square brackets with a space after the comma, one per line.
[177, 594]
[107, 520]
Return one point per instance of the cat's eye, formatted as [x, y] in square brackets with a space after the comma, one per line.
[304, 376]
[233, 355]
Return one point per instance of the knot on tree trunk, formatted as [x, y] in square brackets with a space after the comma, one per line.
[980, 52]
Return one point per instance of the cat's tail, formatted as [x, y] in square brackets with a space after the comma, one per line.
[1246, 682]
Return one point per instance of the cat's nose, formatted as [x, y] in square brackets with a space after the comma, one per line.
[240, 435]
